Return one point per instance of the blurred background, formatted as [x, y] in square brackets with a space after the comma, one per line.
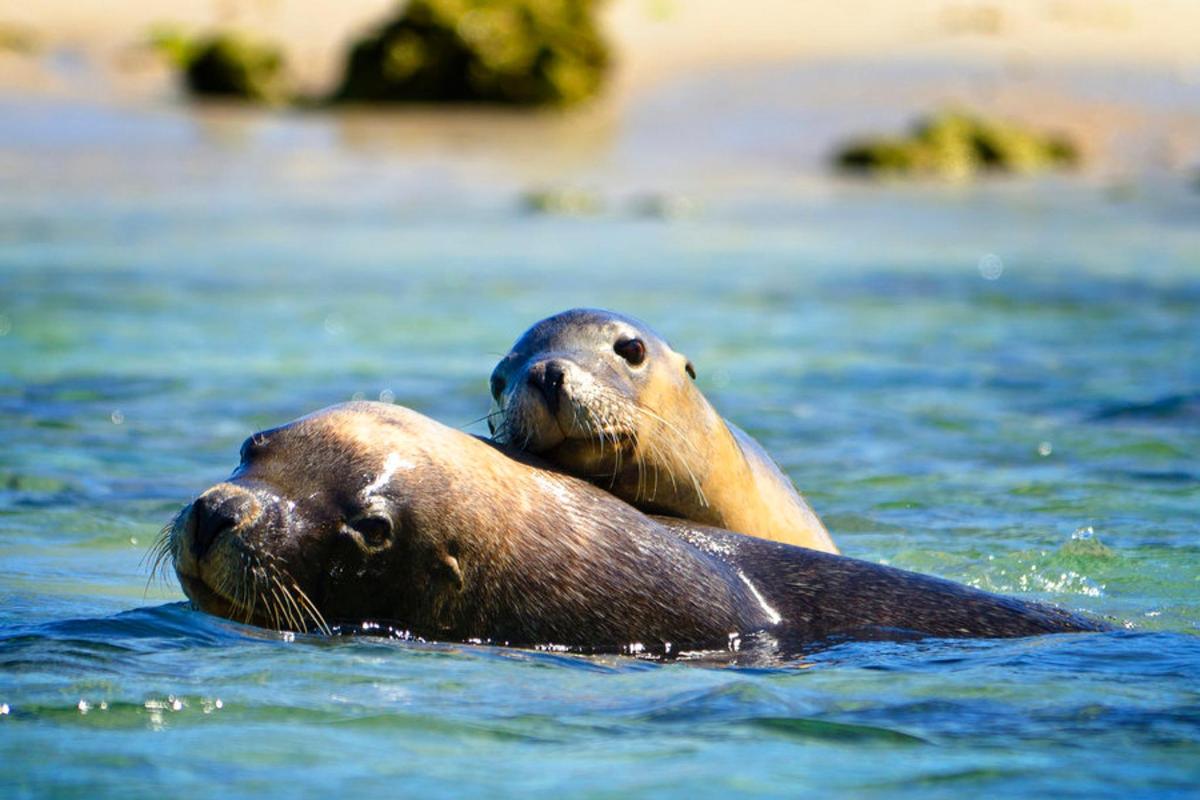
[941, 257]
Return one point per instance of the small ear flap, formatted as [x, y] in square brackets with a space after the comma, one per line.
[690, 369]
[448, 566]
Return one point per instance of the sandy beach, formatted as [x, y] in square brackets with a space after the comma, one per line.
[786, 80]
[654, 39]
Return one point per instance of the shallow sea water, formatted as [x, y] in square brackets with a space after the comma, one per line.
[999, 385]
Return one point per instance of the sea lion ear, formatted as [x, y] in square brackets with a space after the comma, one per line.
[449, 569]
[689, 369]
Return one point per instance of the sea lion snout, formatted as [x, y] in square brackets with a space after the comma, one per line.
[548, 377]
[219, 511]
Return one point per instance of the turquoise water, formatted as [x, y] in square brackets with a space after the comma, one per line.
[999, 385]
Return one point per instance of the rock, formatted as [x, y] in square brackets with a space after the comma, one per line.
[225, 64]
[517, 52]
[18, 40]
[566, 202]
[958, 145]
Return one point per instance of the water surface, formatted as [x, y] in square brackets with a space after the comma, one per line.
[998, 385]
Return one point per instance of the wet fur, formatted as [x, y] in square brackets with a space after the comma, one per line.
[645, 432]
[493, 544]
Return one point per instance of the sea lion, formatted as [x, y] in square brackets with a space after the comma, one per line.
[369, 511]
[606, 398]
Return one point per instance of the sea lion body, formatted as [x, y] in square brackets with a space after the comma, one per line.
[825, 595]
[605, 398]
[368, 511]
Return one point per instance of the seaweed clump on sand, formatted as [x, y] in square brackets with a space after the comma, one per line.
[959, 145]
[513, 52]
[227, 65]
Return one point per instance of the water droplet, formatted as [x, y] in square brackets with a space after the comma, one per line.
[333, 326]
[387, 396]
[176, 705]
[104, 705]
[4, 709]
[133, 540]
[358, 396]
[117, 417]
[219, 704]
[83, 706]
[1045, 449]
[991, 266]
[1085, 532]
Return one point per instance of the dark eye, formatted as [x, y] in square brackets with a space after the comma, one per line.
[375, 530]
[632, 350]
[498, 384]
[690, 370]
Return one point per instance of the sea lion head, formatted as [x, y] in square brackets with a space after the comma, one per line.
[336, 516]
[597, 393]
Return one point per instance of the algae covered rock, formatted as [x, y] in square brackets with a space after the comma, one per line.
[225, 65]
[568, 202]
[18, 40]
[958, 145]
[518, 52]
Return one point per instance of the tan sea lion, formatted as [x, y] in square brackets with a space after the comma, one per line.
[606, 398]
[369, 511]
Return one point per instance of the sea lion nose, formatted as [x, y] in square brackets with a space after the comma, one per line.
[218, 510]
[547, 377]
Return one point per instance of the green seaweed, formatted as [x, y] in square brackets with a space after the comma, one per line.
[18, 40]
[959, 145]
[513, 52]
[570, 202]
[225, 64]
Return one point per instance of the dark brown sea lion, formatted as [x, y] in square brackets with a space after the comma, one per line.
[369, 511]
[604, 397]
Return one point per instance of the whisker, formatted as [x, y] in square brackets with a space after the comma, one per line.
[485, 418]
[312, 608]
[287, 604]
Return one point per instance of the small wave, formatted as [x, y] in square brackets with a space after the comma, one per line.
[171, 626]
[1173, 407]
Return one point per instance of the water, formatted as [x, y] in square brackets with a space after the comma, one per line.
[999, 385]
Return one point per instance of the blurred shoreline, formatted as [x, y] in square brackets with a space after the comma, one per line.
[703, 93]
[654, 40]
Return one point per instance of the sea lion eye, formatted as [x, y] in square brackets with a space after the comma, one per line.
[632, 350]
[375, 531]
[691, 370]
[498, 384]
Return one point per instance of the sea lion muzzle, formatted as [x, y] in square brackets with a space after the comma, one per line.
[221, 510]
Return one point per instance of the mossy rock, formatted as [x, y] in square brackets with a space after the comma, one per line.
[958, 145]
[567, 202]
[18, 40]
[516, 52]
[230, 66]
[225, 65]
